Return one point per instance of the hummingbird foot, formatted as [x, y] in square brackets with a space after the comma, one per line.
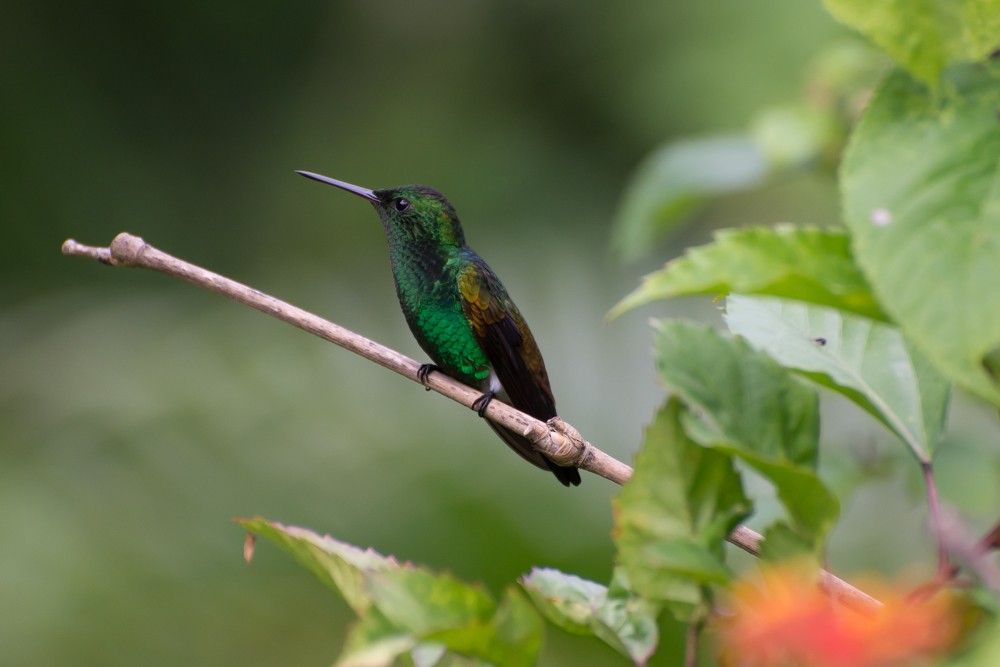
[558, 424]
[483, 402]
[567, 442]
[424, 371]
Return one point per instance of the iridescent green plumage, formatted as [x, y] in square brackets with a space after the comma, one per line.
[458, 310]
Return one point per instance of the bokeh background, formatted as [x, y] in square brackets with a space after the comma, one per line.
[139, 415]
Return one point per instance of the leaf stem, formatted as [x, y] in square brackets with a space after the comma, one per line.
[691, 640]
[944, 568]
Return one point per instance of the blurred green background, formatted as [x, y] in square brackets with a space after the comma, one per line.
[138, 415]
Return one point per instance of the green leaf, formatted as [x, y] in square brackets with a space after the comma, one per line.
[782, 544]
[425, 602]
[404, 608]
[512, 636]
[921, 190]
[749, 406]
[341, 566]
[675, 179]
[519, 629]
[624, 621]
[926, 36]
[374, 642]
[565, 600]
[744, 396]
[868, 362]
[672, 517]
[802, 263]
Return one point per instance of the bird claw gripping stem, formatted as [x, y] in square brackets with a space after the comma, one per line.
[424, 371]
[483, 402]
[560, 442]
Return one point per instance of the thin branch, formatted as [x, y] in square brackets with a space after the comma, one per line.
[956, 536]
[934, 509]
[693, 634]
[556, 439]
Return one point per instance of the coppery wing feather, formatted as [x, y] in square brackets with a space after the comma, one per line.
[506, 340]
[513, 354]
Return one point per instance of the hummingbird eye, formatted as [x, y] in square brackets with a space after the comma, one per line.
[402, 204]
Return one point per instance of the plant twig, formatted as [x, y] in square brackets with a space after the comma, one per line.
[974, 556]
[693, 634]
[934, 509]
[556, 439]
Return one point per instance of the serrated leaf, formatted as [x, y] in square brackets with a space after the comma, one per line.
[622, 620]
[927, 36]
[675, 179]
[802, 263]
[671, 518]
[747, 405]
[403, 607]
[868, 362]
[339, 565]
[922, 200]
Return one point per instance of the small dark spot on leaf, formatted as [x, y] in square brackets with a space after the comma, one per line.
[819, 341]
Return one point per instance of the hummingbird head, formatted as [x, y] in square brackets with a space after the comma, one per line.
[409, 213]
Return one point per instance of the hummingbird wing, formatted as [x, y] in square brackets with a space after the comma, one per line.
[506, 340]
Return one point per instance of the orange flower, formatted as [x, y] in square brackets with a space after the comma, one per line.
[782, 618]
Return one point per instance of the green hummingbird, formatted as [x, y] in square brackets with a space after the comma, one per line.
[459, 311]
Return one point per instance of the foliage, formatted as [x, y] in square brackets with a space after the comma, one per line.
[867, 361]
[920, 195]
[889, 313]
[802, 263]
[925, 38]
[672, 517]
[746, 406]
[613, 614]
[407, 610]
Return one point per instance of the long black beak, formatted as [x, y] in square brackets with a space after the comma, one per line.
[356, 189]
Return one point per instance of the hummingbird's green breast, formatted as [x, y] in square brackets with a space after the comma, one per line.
[427, 286]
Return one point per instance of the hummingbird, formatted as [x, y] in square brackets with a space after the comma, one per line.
[459, 311]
